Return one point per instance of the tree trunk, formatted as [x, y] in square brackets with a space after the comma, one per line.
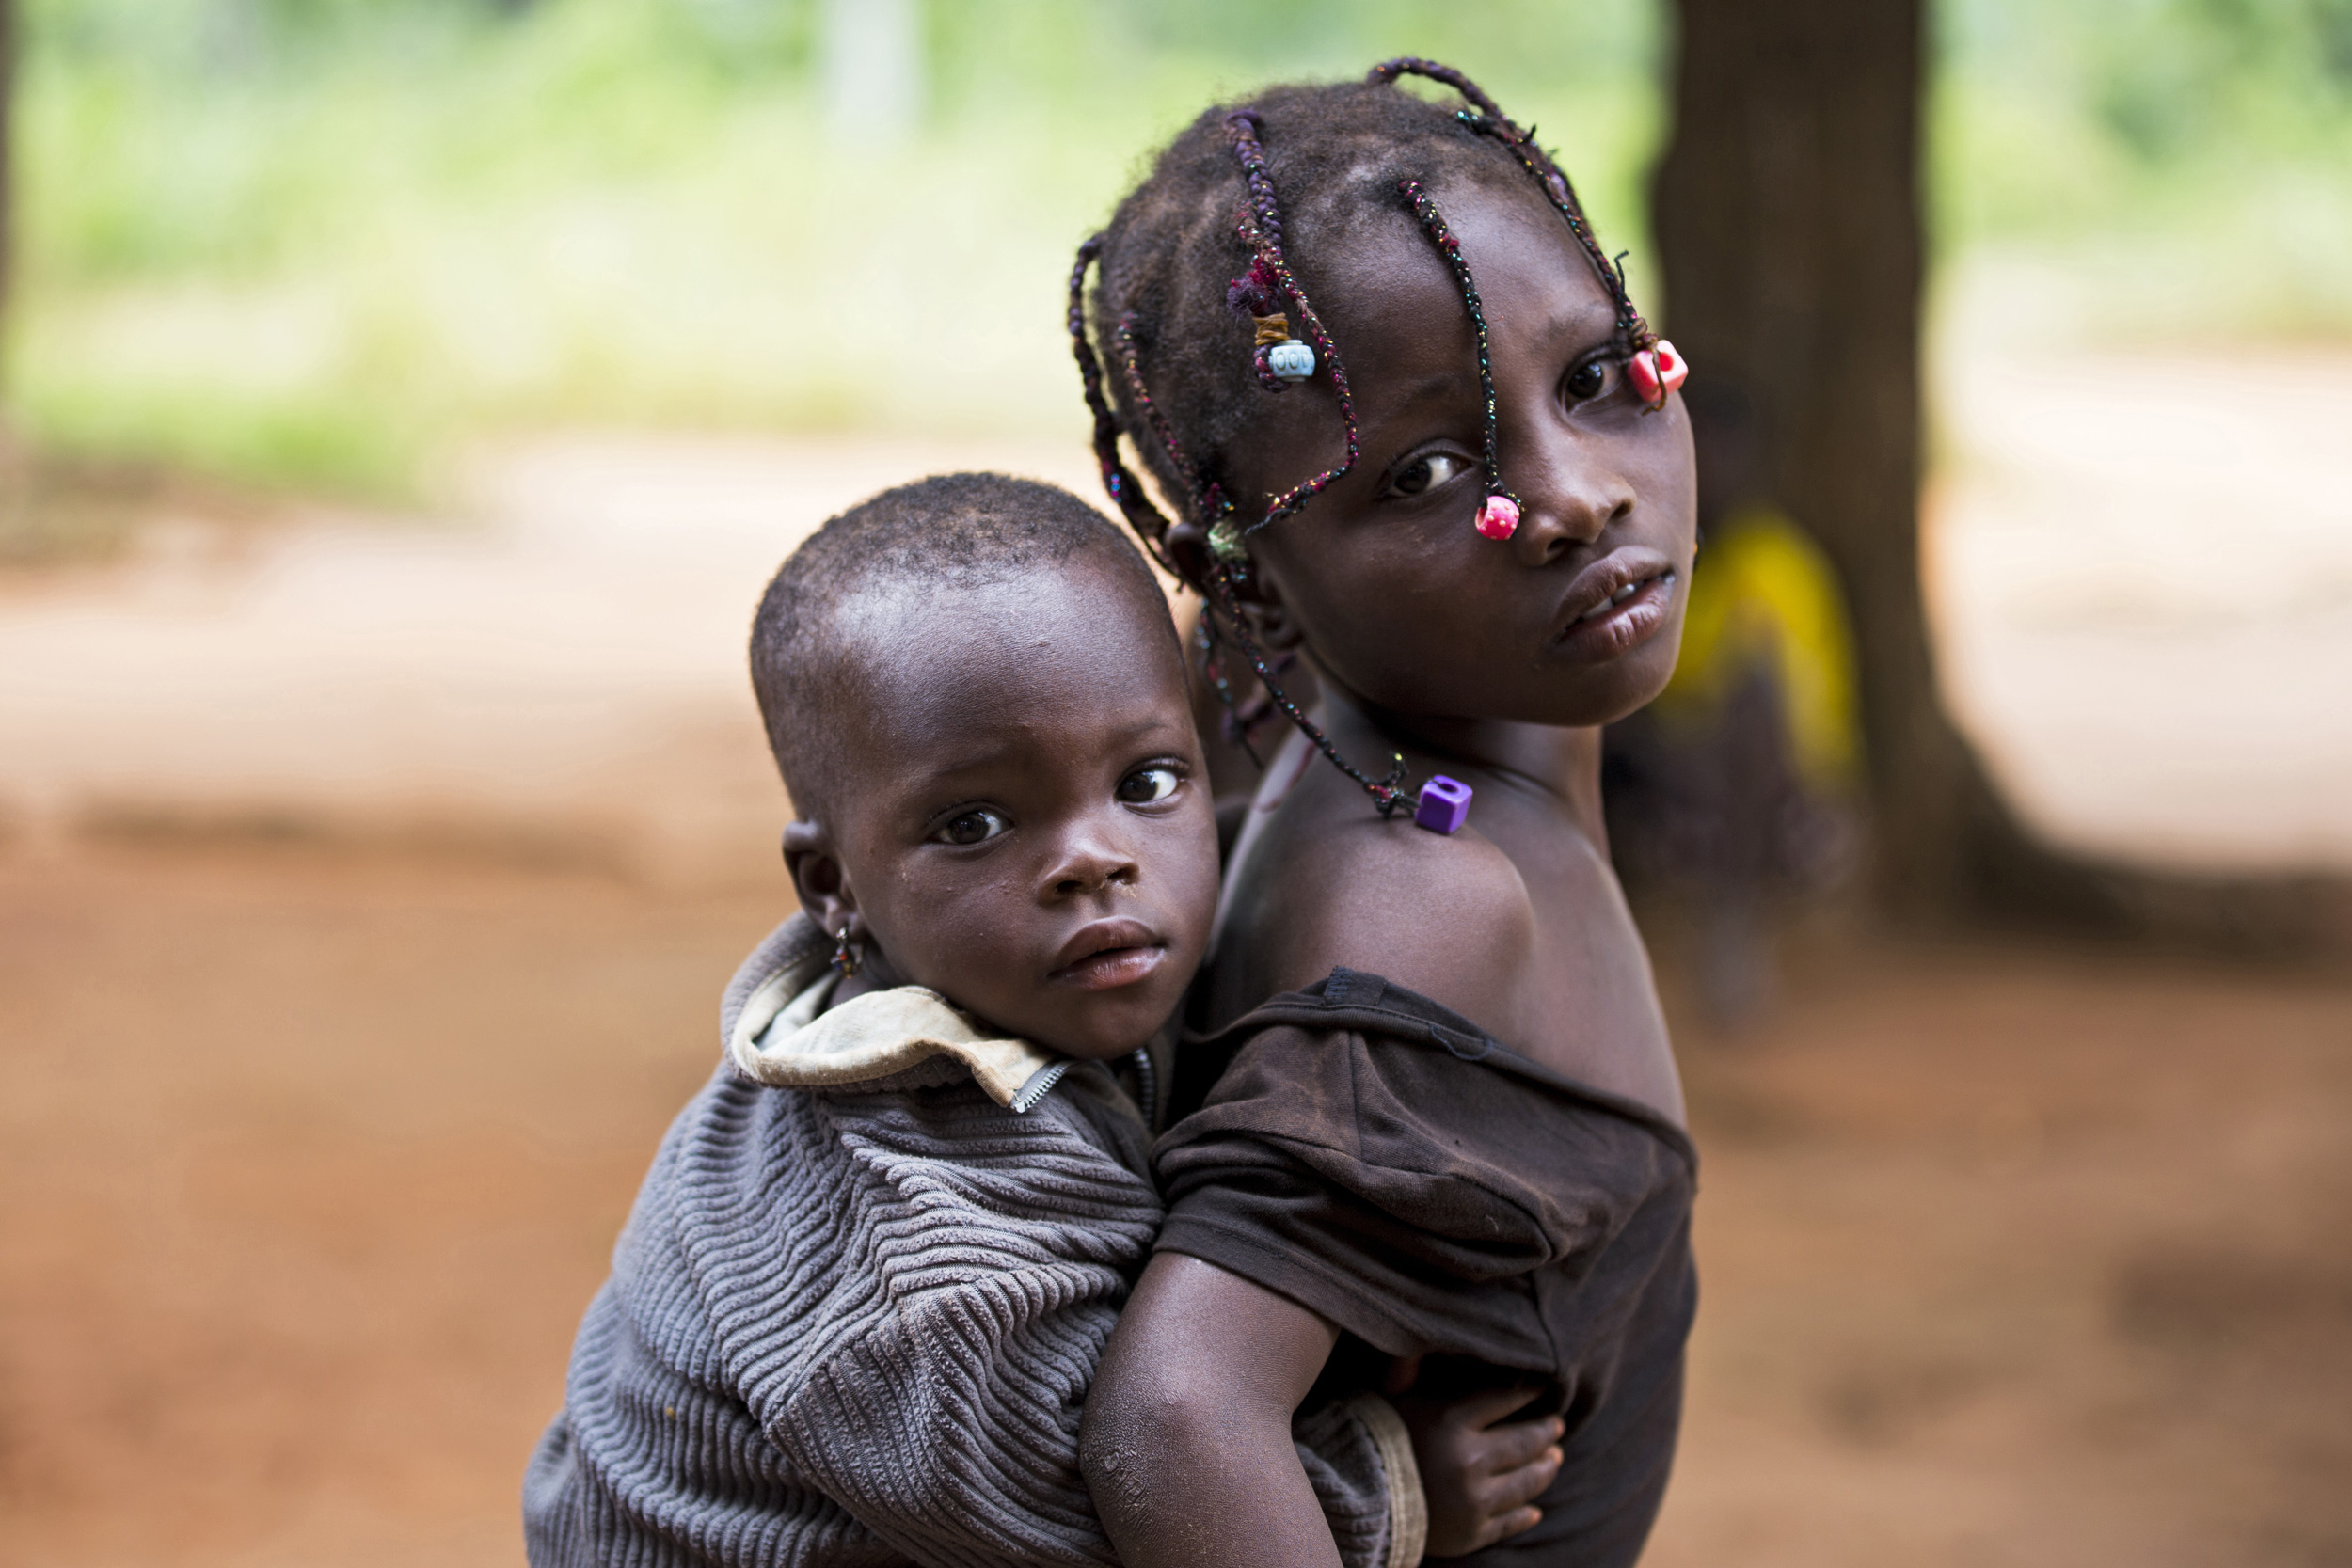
[1788, 215]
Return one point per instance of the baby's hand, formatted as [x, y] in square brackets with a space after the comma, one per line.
[1480, 1473]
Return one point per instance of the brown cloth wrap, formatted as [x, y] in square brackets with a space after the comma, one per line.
[1383, 1162]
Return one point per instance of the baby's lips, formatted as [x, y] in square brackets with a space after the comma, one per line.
[1104, 936]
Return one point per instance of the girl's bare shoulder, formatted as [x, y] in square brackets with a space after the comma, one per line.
[1332, 883]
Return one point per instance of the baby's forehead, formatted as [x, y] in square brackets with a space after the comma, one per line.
[979, 648]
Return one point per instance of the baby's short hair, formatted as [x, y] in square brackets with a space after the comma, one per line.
[956, 530]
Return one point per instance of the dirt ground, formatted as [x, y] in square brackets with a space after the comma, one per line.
[308, 1165]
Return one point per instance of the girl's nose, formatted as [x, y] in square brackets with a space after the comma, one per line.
[1567, 502]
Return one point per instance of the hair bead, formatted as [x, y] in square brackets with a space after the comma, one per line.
[1499, 514]
[1290, 359]
[1656, 371]
[1444, 805]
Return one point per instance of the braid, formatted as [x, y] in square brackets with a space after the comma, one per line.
[1386, 72]
[1489, 120]
[1237, 724]
[1131, 370]
[1432, 224]
[1261, 228]
[1263, 231]
[1147, 521]
[1384, 792]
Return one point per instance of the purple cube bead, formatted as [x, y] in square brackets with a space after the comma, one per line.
[1444, 805]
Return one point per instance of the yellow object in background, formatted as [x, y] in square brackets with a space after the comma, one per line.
[1764, 594]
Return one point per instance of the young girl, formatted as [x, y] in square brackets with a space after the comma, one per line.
[1413, 428]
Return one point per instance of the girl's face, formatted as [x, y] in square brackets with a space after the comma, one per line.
[1575, 618]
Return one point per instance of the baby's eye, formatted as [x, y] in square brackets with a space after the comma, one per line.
[1426, 473]
[977, 826]
[1147, 785]
[1589, 380]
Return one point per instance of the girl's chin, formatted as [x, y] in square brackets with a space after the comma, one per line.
[1577, 695]
[1582, 699]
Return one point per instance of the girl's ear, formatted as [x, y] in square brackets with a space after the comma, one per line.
[1258, 594]
[1186, 546]
[820, 879]
[1271, 622]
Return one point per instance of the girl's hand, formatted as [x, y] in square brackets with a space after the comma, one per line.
[1480, 1474]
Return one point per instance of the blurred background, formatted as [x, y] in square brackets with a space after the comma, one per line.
[406, 400]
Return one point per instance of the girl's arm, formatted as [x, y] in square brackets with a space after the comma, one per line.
[1187, 1443]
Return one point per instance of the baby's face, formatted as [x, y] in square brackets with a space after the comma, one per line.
[1025, 820]
[1399, 597]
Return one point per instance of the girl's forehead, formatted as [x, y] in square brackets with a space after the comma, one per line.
[1398, 317]
[1389, 287]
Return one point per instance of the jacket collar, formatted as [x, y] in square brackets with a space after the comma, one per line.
[780, 1031]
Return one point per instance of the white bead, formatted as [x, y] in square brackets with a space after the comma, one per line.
[1292, 361]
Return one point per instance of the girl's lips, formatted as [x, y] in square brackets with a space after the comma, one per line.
[1110, 968]
[1630, 616]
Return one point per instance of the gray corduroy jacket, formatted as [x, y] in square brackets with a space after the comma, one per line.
[854, 1314]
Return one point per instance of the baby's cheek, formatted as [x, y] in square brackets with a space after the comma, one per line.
[1186, 868]
[945, 936]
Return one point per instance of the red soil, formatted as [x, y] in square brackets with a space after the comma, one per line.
[307, 1166]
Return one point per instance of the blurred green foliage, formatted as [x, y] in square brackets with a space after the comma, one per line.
[318, 242]
[314, 241]
[2186, 163]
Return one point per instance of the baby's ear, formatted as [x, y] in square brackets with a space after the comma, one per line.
[820, 879]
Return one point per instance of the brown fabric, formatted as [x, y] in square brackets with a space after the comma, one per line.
[1381, 1161]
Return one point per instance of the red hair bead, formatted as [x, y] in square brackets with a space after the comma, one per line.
[1500, 517]
[1656, 371]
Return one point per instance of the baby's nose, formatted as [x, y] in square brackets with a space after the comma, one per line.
[1090, 868]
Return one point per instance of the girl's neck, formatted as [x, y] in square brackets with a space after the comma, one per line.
[1561, 765]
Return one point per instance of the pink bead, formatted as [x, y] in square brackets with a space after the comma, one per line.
[1443, 806]
[1656, 371]
[1671, 364]
[1500, 517]
[1642, 370]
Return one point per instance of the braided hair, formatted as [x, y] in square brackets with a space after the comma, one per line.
[1208, 246]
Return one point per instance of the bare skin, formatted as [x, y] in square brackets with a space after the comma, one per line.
[1467, 656]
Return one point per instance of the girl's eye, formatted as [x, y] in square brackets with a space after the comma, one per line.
[977, 826]
[1426, 473]
[1587, 381]
[1147, 785]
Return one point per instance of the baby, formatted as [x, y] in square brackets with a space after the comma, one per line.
[856, 1310]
